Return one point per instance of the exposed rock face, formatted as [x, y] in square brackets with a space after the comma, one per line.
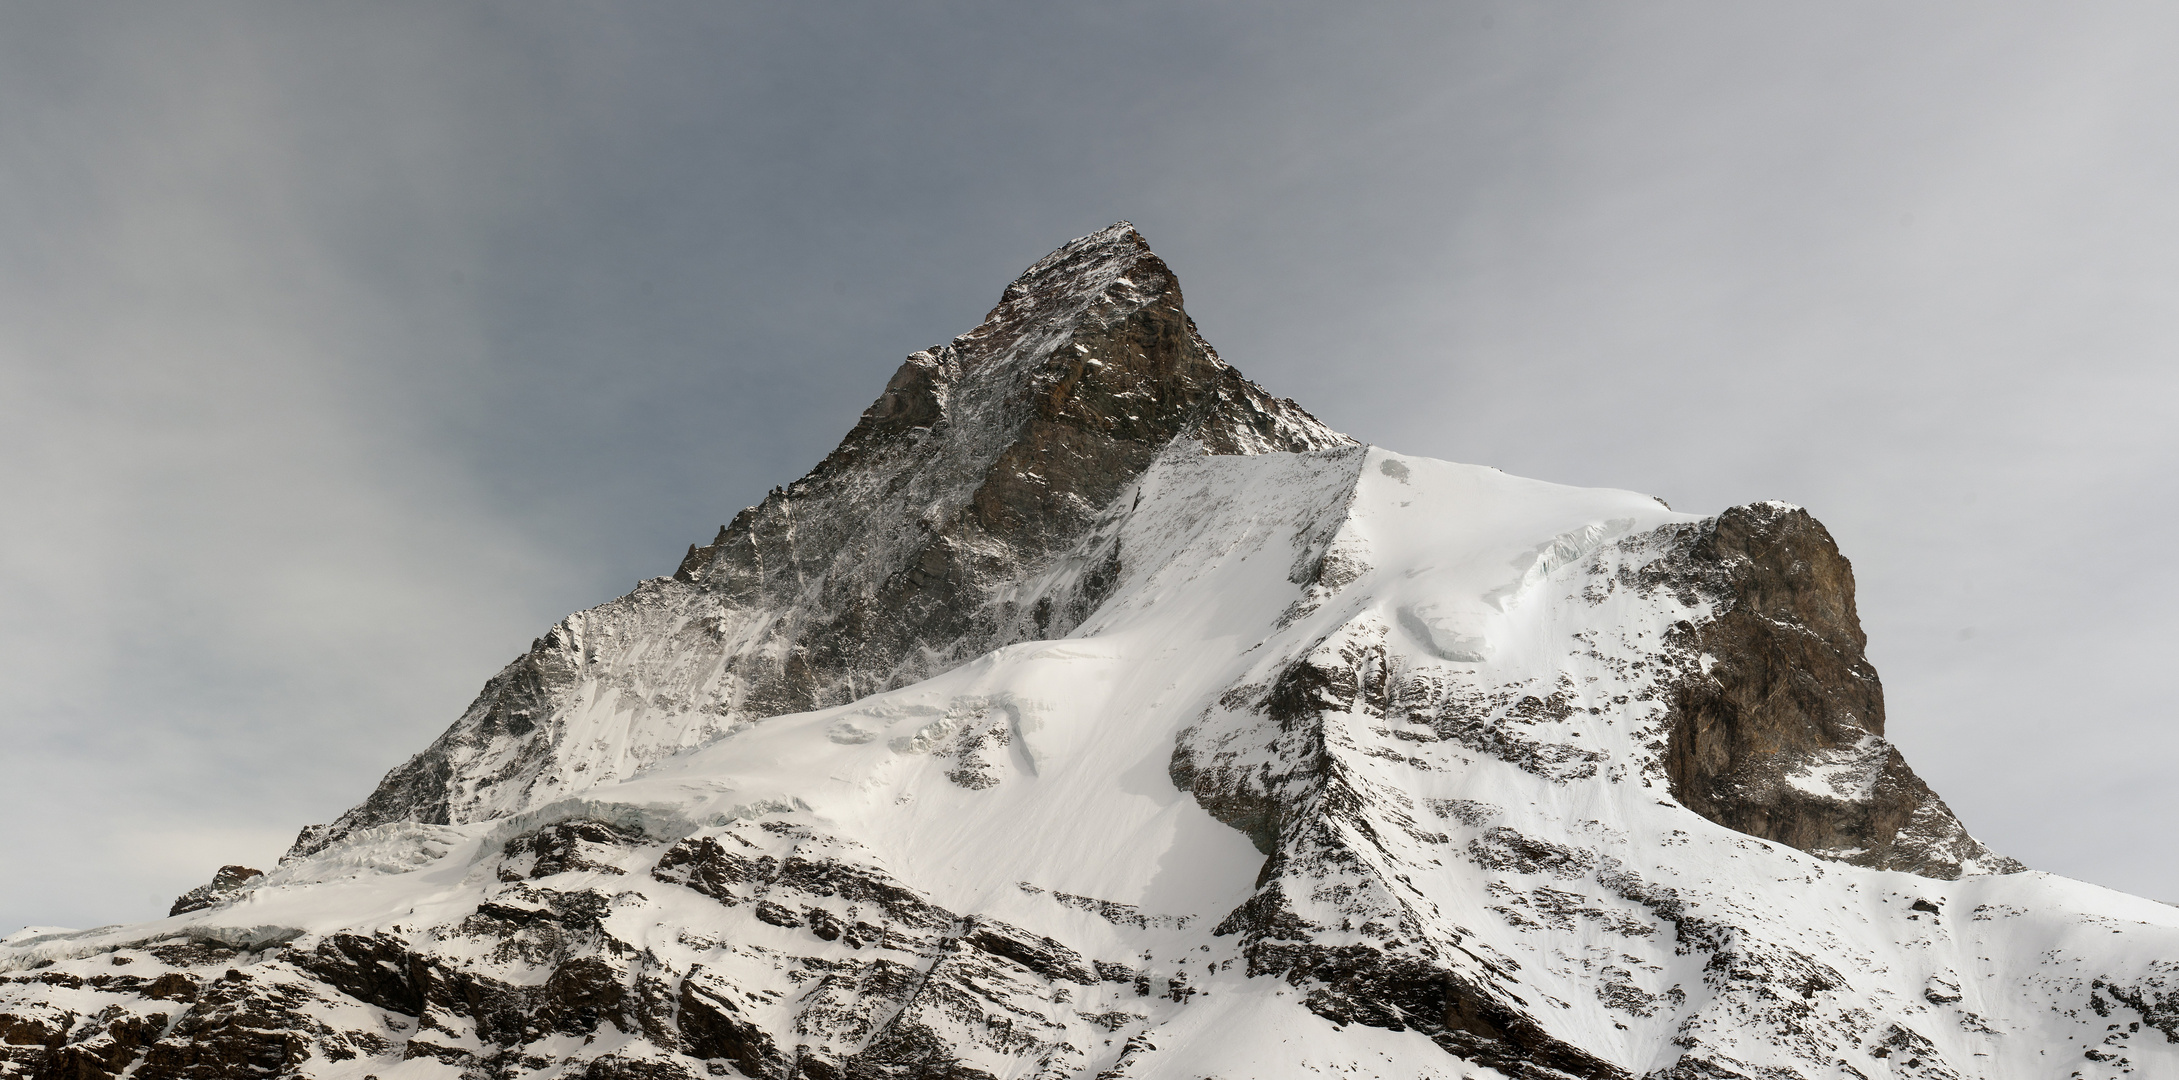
[224, 884]
[1779, 734]
[181, 1011]
[1155, 733]
[933, 534]
[882, 981]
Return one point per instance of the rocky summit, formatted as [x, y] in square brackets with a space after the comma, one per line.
[1091, 713]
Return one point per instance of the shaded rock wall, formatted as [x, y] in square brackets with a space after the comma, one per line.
[1777, 731]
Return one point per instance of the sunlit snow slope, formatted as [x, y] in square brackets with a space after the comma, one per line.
[1341, 763]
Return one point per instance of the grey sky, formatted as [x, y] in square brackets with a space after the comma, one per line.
[344, 347]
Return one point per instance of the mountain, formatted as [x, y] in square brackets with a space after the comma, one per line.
[949, 522]
[1091, 713]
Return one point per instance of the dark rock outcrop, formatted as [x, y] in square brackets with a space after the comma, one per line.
[223, 886]
[1777, 729]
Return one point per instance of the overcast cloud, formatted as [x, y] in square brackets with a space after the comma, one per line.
[344, 347]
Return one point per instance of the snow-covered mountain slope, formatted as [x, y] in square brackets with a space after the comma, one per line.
[1341, 762]
[928, 538]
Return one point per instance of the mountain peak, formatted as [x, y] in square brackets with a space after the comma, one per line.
[937, 530]
[1050, 727]
[1087, 267]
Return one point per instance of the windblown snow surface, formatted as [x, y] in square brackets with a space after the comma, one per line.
[1535, 853]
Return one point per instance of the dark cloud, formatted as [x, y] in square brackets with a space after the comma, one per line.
[343, 348]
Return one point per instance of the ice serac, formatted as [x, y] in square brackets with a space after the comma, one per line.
[947, 523]
[1091, 715]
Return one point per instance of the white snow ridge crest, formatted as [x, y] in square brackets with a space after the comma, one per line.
[1092, 714]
